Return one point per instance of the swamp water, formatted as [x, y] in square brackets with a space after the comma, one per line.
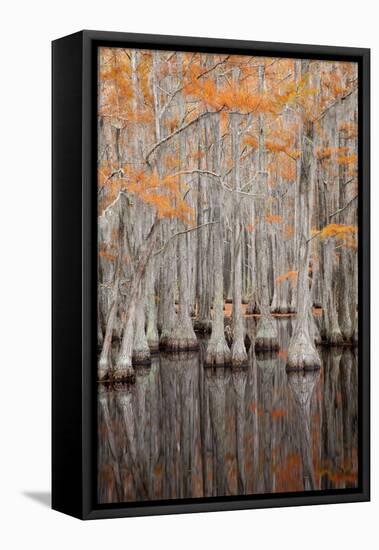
[183, 430]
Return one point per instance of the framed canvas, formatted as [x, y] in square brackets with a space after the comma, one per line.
[211, 312]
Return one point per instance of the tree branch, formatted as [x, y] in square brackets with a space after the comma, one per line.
[183, 233]
[335, 103]
[195, 171]
[332, 216]
[179, 131]
[340, 210]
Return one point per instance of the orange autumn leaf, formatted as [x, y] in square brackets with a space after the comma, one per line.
[338, 230]
[272, 218]
[289, 276]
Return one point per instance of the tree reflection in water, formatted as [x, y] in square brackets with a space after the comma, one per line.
[183, 430]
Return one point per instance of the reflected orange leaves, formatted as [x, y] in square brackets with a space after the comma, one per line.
[288, 473]
[277, 413]
[158, 471]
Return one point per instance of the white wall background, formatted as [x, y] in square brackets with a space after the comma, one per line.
[26, 31]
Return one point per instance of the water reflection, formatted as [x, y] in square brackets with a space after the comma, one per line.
[182, 430]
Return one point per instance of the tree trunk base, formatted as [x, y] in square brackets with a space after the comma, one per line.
[270, 356]
[218, 354]
[267, 335]
[153, 345]
[163, 340]
[239, 355]
[103, 368]
[141, 357]
[175, 344]
[252, 308]
[334, 339]
[123, 374]
[102, 374]
[266, 343]
[302, 355]
[283, 309]
[307, 367]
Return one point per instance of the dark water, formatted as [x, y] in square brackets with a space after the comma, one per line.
[183, 430]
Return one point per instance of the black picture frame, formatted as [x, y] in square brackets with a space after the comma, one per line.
[74, 205]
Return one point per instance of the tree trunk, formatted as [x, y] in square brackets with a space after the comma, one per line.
[267, 334]
[141, 351]
[151, 308]
[124, 369]
[183, 337]
[105, 363]
[218, 352]
[302, 352]
[239, 355]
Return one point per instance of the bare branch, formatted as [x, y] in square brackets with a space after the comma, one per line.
[335, 103]
[183, 233]
[340, 210]
[195, 171]
[179, 131]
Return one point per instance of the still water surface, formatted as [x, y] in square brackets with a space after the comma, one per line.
[183, 430]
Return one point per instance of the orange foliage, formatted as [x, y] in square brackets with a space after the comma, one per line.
[288, 231]
[288, 473]
[347, 160]
[338, 230]
[349, 130]
[232, 98]
[162, 194]
[344, 234]
[272, 218]
[289, 276]
[251, 140]
[324, 153]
